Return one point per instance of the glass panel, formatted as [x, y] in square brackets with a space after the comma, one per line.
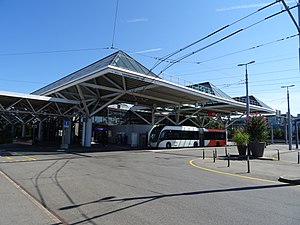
[137, 67]
[80, 73]
[126, 62]
[119, 63]
[118, 59]
[129, 66]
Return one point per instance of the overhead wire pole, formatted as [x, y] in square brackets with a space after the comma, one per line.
[289, 114]
[287, 8]
[290, 14]
[247, 106]
[296, 127]
[298, 29]
[247, 92]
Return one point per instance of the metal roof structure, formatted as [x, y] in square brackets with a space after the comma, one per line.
[115, 79]
[118, 59]
[18, 107]
[118, 78]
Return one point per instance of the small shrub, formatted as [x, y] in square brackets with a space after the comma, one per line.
[257, 128]
[241, 137]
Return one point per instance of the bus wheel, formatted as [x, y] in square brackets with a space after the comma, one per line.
[218, 144]
[168, 145]
[195, 144]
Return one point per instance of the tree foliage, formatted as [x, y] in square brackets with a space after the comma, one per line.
[241, 137]
[257, 128]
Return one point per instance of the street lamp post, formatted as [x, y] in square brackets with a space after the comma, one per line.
[247, 107]
[289, 114]
[247, 94]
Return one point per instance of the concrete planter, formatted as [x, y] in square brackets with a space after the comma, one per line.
[257, 148]
[242, 149]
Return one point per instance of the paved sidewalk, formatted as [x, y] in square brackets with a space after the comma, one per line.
[19, 208]
[267, 167]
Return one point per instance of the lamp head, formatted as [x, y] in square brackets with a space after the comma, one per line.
[287, 86]
[245, 64]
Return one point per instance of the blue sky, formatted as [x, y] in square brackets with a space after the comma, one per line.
[42, 41]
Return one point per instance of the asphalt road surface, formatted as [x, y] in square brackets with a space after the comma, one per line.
[151, 188]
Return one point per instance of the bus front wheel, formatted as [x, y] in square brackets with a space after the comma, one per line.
[195, 144]
[168, 145]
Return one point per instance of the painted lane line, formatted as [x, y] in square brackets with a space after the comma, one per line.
[191, 162]
[29, 158]
[25, 156]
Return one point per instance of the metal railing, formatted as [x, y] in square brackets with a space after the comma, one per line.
[182, 82]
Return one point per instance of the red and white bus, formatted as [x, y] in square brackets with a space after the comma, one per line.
[185, 136]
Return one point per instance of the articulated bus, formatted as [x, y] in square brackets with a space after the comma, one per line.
[185, 136]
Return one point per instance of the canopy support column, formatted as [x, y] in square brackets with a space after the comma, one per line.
[66, 138]
[23, 130]
[87, 132]
[40, 131]
[177, 115]
[153, 115]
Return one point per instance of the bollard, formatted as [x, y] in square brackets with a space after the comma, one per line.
[278, 155]
[226, 152]
[214, 156]
[298, 157]
[203, 154]
[228, 160]
[248, 163]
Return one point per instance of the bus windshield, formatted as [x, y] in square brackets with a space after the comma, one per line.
[155, 133]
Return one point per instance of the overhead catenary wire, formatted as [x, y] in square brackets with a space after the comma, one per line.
[256, 74]
[229, 54]
[259, 82]
[89, 49]
[261, 88]
[220, 40]
[258, 91]
[156, 58]
[216, 69]
[237, 84]
[22, 81]
[62, 51]
[247, 49]
[259, 74]
[53, 51]
[165, 58]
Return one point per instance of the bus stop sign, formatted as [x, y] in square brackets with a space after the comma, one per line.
[66, 123]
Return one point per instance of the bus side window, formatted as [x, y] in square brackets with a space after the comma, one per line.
[165, 135]
[168, 135]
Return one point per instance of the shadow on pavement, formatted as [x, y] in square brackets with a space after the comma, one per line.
[147, 199]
